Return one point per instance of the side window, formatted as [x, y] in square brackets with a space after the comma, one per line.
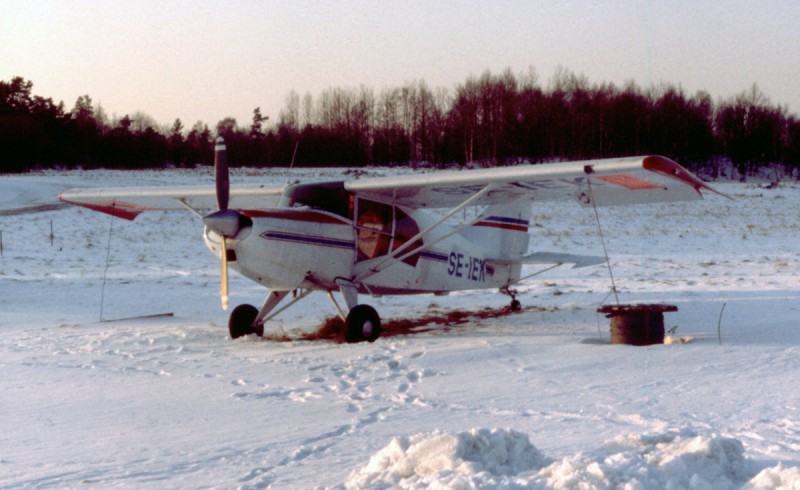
[373, 229]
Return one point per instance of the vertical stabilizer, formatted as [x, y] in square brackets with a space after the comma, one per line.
[503, 230]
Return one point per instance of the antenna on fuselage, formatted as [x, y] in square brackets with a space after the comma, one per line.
[291, 164]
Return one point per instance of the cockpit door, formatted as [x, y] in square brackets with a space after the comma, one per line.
[381, 228]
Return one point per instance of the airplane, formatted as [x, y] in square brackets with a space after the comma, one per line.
[408, 234]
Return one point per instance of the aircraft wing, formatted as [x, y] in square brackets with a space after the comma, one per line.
[605, 182]
[129, 202]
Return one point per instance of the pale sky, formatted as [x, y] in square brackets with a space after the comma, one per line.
[205, 60]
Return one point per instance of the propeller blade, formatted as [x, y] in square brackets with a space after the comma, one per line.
[221, 174]
[224, 275]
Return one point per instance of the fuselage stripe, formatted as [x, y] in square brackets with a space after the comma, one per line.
[511, 221]
[308, 239]
[505, 223]
[427, 254]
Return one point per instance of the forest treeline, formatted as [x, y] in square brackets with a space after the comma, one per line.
[494, 119]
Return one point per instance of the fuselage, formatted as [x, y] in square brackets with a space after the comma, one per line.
[299, 247]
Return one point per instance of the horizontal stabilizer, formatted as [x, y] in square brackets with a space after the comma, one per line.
[559, 258]
[555, 258]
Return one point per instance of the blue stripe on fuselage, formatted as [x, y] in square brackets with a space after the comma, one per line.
[511, 221]
[427, 254]
[308, 239]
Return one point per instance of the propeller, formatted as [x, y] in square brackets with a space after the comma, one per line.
[221, 174]
[225, 222]
[223, 276]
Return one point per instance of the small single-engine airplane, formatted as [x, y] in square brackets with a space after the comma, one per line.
[424, 233]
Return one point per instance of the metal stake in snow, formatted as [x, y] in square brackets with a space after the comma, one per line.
[105, 271]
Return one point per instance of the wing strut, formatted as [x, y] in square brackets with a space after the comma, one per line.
[393, 257]
[458, 229]
[183, 203]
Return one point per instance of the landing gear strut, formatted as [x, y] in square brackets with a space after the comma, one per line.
[362, 322]
[515, 304]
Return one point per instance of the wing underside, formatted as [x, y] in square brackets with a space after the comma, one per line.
[131, 201]
[622, 181]
[602, 182]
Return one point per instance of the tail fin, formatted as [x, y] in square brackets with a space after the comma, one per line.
[504, 230]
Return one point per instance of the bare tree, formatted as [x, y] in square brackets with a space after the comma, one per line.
[290, 116]
[308, 110]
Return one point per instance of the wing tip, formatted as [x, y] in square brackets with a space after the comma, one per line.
[112, 208]
[672, 169]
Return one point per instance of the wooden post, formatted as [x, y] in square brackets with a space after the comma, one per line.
[637, 324]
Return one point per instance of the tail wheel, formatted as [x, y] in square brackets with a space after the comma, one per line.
[240, 322]
[363, 323]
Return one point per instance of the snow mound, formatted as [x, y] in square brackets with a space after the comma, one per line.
[483, 458]
[776, 477]
[477, 458]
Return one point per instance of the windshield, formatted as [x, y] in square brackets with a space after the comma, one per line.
[326, 196]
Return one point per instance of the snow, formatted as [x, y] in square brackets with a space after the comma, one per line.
[93, 397]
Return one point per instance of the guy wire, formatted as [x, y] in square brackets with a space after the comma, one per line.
[603, 241]
[105, 271]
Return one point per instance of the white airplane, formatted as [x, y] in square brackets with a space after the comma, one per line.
[391, 235]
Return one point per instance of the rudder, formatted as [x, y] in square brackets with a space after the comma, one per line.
[503, 232]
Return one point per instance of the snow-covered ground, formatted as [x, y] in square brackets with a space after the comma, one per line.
[533, 400]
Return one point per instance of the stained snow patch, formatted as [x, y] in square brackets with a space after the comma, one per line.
[483, 458]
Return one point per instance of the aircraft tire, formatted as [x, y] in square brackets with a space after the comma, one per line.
[363, 323]
[240, 322]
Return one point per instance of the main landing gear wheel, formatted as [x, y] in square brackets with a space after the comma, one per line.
[363, 323]
[515, 304]
[241, 321]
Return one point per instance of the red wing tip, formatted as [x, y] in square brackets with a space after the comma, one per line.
[672, 169]
[116, 209]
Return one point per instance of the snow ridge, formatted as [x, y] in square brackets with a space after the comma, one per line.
[501, 458]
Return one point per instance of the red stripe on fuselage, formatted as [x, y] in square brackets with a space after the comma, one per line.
[503, 226]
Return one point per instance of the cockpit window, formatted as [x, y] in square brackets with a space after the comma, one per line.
[373, 229]
[381, 228]
[326, 196]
